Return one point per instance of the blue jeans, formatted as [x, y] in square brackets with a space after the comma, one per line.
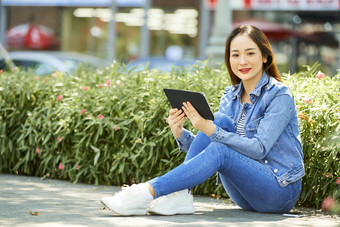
[248, 183]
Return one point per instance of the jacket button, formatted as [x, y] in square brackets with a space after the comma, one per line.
[284, 182]
[266, 161]
[275, 171]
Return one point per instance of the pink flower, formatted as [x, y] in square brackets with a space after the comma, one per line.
[108, 82]
[82, 111]
[1, 71]
[100, 85]
[61, 166]
[78, 167]
[60, 97]
[38, 150]
[115, 127]
[308, 100]
[338, 181]
[100, 117]
[45, 80]
[85, 88]
[36, 78]
[56, 73]
[59, 138]
[320, 75]
[328, 203]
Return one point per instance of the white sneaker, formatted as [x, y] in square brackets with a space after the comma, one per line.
[127, 202]
[174, 203]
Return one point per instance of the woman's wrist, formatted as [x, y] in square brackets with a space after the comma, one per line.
[178, 134]
[209, 129]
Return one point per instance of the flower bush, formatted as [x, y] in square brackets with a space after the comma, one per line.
[109, 127]
[317, 97]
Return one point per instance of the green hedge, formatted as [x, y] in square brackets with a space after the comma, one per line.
[317, 100]
[108, 127]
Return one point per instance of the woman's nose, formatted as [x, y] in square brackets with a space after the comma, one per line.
[243, 60]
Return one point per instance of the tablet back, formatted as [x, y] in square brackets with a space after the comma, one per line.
[197, 99]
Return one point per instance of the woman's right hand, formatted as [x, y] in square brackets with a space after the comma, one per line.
[175, 121]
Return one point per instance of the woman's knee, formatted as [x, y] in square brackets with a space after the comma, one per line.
[219, 150]
[220, 146]
[217, 146]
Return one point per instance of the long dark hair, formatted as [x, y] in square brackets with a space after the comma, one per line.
[262, 42]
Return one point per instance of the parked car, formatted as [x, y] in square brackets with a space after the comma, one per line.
[160, 63]
[72, 60]
[46, 62]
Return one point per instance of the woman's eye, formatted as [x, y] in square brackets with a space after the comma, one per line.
[234, 55]
[251, 53]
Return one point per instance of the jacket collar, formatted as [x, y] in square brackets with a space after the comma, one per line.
[254, 93]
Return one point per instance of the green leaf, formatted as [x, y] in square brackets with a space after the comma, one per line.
[95, 149]
[47, 138]
[96, 158]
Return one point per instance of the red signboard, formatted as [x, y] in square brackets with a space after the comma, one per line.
[211, 3]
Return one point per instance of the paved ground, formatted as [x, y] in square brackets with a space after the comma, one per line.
[30, 201]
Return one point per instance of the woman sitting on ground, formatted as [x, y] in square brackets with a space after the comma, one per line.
[253, 143]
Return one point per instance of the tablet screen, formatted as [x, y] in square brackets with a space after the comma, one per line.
[197, 99]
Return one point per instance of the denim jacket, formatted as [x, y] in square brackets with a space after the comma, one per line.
[271, 128]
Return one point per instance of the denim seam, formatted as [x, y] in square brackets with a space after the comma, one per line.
[291, 200]
[282, 154]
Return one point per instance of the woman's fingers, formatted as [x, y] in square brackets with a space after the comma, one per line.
[173, 111]
[186, 109]
[189, 110]
[175, 116]
[175, 121]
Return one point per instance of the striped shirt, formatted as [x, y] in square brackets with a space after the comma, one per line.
[241, 123]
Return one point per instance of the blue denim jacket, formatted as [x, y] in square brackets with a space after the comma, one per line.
[271, 127]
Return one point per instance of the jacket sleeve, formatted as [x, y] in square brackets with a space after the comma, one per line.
[224, 121]
[268, 128]
[185, 140]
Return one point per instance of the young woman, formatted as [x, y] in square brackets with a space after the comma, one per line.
[253, 143]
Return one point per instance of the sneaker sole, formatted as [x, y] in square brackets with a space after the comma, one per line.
[184, 210]
[138, 212]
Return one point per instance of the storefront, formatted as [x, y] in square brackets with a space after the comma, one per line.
[87, 27]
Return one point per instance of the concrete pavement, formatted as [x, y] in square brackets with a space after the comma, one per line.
[30, 201]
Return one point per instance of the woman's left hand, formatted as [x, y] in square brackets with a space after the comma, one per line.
[204, 125]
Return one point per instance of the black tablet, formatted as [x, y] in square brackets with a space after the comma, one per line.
[197, 99]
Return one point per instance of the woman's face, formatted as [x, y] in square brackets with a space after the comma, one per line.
[246, 59]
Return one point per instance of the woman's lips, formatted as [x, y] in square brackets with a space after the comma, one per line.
[244, 71]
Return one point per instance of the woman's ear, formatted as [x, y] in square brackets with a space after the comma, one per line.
[265, 59]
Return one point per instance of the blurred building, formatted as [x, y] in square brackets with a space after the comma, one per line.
[83, 26]
[301, 31]
[310, 30]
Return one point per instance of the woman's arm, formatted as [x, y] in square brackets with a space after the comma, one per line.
[183, 137]
[268, 129]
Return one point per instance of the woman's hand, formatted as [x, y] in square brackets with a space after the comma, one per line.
[175, 121]
[204, 125]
